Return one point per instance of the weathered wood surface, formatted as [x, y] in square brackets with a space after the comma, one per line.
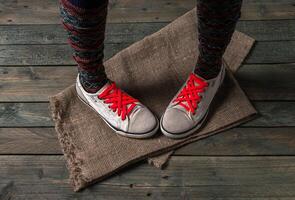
[131, 32]
[36, 83]
[46, 11]
[45, 177]
[54, 54]
[272, 114]
[234, 142]
[29, 141]
[55, 34]
[268, 82]
[27, 40]
[60, 54]
[254, 161]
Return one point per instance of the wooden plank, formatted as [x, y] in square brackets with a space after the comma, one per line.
[34, 83]
[132, 32]
[272, 114]
[29, 141]
[20, 84]
[234, 142]
[54, 34]
[24, 115]
[46, 54]
[244, 142]
[45, 177]
[272, 52]
[268, 82]
[262, 53]
[268, 30]
[46, 11]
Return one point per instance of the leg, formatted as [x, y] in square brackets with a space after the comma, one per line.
[216, 23]
[85, 24]
[188, 110]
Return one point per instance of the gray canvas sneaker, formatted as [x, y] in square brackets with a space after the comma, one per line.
[124, 114]
[187, 111]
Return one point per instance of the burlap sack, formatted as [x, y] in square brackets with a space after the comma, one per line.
[151, 70]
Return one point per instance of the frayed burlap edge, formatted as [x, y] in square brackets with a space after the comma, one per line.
[78, 181]
[73, 164]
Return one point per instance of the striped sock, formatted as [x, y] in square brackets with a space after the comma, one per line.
[216, 23]
[85, 23]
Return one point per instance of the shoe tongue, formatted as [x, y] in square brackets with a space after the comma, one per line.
[184, 102]
[103, 88]
[199, 77]
[181, 108]
[106, 86]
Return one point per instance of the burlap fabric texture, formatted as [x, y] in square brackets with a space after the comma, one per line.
[151, 70]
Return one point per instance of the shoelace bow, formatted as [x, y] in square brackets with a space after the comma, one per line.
[119, 101]
[189, 96]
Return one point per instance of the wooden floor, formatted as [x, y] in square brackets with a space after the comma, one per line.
[253, 161]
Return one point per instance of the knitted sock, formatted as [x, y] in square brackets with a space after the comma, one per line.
[216, 23]
[85, 23]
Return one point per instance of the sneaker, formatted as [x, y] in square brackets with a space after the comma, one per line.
[124, 114]
[188, 109]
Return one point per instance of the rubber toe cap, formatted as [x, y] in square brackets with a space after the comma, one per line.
[176, 121]
[143, 121]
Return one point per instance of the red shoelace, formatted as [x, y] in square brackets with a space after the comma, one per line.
[119, 101]
[189, 96]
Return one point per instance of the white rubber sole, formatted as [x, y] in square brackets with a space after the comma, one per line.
[194, 129]
[123, 133]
